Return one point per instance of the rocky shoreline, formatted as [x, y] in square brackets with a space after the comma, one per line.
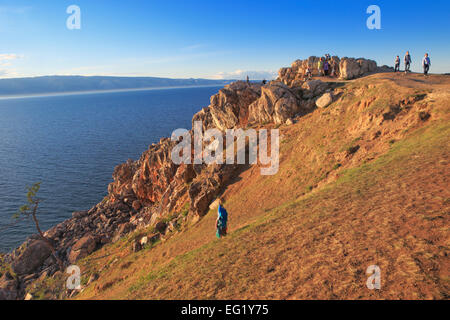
[155, 192]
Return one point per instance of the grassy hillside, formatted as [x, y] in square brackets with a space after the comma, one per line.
[362, 182]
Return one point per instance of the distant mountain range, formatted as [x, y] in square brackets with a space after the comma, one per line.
[62, 84]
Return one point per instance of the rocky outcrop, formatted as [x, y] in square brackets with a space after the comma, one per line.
[276, 104]
[294, 76]
[33, 256]
[351, 68]
[229, 107]
[345, 68]
[82, 248]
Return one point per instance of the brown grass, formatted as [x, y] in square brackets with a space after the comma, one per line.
[311, 231]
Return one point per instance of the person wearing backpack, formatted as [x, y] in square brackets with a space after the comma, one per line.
[408, 61]
[397, 64]
[426, 63]
[222, 221]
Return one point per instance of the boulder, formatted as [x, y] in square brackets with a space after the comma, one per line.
[351, 68]
[325, 100]
[276, 104]
[82, 248]
[32, 257]
[124, 229]
[161, 227]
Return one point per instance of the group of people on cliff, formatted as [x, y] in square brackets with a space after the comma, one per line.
[426, 63]
[326, 67]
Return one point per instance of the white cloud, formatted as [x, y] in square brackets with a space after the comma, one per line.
[242, 75]
[8, 56]
[6, 62]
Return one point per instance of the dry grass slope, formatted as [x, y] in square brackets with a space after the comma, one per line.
[362, 182]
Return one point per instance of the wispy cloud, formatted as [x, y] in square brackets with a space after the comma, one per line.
[192, 47]
[242, 74]
[15, 9]
[9, 56]
[6, 61]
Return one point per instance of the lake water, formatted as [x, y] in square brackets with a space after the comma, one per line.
[72, 144]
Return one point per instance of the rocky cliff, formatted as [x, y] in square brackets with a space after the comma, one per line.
[343, 68]
[154, 191]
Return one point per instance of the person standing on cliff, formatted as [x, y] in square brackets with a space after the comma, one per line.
[326, 67]
[320, 67]
[397, 64]
[426, 63]
[222, 220]
[408, 61]
[248, 80]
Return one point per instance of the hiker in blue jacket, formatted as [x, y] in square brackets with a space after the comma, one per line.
[426, 63]
[221, 222]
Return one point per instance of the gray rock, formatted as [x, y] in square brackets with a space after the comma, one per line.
[325, 100]
[82, 248]
[32, 258]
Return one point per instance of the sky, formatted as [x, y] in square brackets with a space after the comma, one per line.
[213, 39]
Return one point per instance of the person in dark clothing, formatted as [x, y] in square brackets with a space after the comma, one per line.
[426, 63]
[408, 61]
[397, 64]
[326, 67]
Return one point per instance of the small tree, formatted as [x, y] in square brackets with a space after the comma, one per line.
[29, 210]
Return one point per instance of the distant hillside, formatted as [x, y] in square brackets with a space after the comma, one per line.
[59, 84]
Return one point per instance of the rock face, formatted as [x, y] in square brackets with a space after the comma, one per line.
[345, 68]
[351, 68]
[294, 75]
[276, 104]
[82, 248]
[229, 108]
[33, 256]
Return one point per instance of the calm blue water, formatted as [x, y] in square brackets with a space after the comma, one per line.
[72, 144]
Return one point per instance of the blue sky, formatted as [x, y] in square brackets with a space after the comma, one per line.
[212, 39]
